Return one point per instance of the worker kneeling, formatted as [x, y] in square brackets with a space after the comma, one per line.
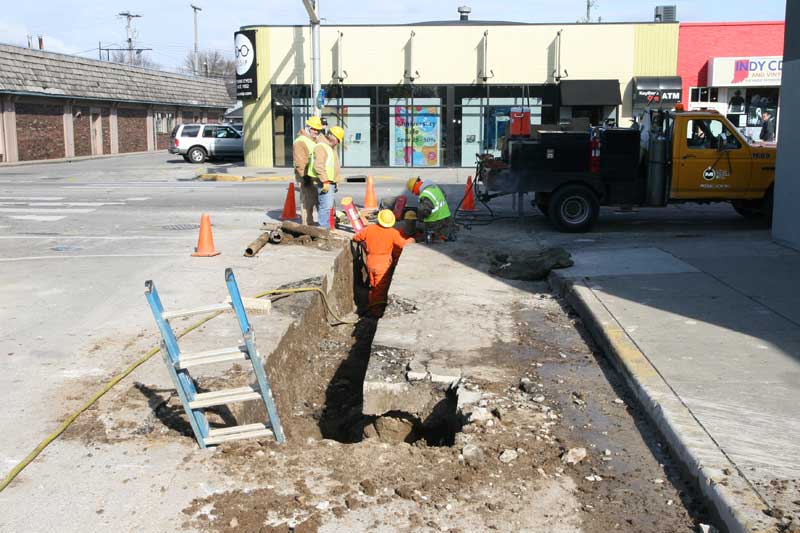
[433, 211]
[381, 241]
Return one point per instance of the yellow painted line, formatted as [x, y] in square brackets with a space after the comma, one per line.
[234, 177]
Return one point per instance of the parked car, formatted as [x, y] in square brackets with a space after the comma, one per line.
[200, 142]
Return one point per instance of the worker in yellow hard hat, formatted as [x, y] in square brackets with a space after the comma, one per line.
[383, 243]
[303, 157]
[326, 172]
[437, 221]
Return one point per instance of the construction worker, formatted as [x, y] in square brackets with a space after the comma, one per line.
[303, 154]
[433, 210]
[383, 243]
[326, 172]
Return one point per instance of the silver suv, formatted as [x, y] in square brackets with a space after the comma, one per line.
[199, 142]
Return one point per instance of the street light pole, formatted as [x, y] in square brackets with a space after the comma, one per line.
[196, 50]
[312, 7]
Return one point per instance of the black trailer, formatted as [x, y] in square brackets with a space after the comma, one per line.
[573, 173]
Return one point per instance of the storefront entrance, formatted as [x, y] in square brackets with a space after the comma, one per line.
[420, 126]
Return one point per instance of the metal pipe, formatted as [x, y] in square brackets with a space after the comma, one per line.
[253, 248]
[275, 236]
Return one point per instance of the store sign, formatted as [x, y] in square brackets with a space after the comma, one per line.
[415, 134]
[246, 64]
[745, 71]
[656, 97]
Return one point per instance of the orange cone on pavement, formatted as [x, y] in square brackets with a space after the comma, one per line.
[289, 207]
[469, 197]
[205, 242]
[370, 202]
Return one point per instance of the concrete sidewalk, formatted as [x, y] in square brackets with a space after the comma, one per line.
[236, 171]
[707, 333]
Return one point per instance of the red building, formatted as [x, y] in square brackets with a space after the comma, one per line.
[733, 67]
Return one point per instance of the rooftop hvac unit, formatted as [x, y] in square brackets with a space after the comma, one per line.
[666, 14]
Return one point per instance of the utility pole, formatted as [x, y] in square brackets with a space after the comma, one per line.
[312, 7]
[130, 16]
[196, 50]
[589, 5]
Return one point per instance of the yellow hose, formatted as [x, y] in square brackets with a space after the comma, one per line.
[64, 425]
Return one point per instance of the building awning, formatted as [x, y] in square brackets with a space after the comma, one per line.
[590, 92]
[656, 91]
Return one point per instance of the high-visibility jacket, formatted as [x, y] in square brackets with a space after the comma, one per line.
[330, 163]
[303, 153]
[440, 208]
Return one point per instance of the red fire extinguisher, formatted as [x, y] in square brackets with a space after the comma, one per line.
[594, 159]
[352, 214]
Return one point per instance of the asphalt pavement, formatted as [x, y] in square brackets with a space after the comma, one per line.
[77, 242]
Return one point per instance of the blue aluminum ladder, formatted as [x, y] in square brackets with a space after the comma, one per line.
[193, 402]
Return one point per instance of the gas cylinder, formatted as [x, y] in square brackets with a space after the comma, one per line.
[352, 214]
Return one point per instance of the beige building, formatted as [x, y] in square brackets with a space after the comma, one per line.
[434, 94]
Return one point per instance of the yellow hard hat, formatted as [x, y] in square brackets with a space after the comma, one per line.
[410, 184]
[386, 218]
[338, 132]
[315, 122]
[410, 215]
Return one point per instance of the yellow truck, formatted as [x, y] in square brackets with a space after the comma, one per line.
[671, 157]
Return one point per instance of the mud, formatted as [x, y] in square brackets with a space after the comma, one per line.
[343, 471]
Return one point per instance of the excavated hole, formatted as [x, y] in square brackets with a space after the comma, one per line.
[318, 371]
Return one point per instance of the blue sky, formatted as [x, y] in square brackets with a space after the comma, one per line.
[76, 26]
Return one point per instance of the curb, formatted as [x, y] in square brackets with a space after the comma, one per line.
[248, 179]
[75, 159]
[728, 492]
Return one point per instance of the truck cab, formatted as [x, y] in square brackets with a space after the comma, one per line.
[712, 161]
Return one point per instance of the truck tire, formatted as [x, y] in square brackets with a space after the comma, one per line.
[197, 154]
[768, 205]
[748, 210]
[573, 209]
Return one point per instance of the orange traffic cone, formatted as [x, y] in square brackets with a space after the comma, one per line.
[469, 197]
[370, 202]
[289, 207]
[205, 242]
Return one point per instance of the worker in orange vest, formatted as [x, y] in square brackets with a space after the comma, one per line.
[381, 241]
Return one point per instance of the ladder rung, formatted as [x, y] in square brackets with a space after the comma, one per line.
[219, 355]
[225, 396]
[248, 431]
[167, 315]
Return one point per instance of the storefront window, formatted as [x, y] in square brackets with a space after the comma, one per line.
[410, 126]
[415, 132]
[485, 124]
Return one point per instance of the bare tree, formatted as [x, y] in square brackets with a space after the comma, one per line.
[137, 59]
[210, 63]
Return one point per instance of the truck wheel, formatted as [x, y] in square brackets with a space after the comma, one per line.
[197, 155]
[573, 209]
[768, 205]
[747, 209]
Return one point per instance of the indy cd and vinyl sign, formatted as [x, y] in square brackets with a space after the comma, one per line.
[246, 64]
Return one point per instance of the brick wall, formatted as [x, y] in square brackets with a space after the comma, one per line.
[697, 43]
[82, 131]
[162, 141]
[40, 131]
[132, 127]
[105, 114]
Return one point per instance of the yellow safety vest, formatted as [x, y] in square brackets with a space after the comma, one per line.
[330, 163]
[310, 144]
